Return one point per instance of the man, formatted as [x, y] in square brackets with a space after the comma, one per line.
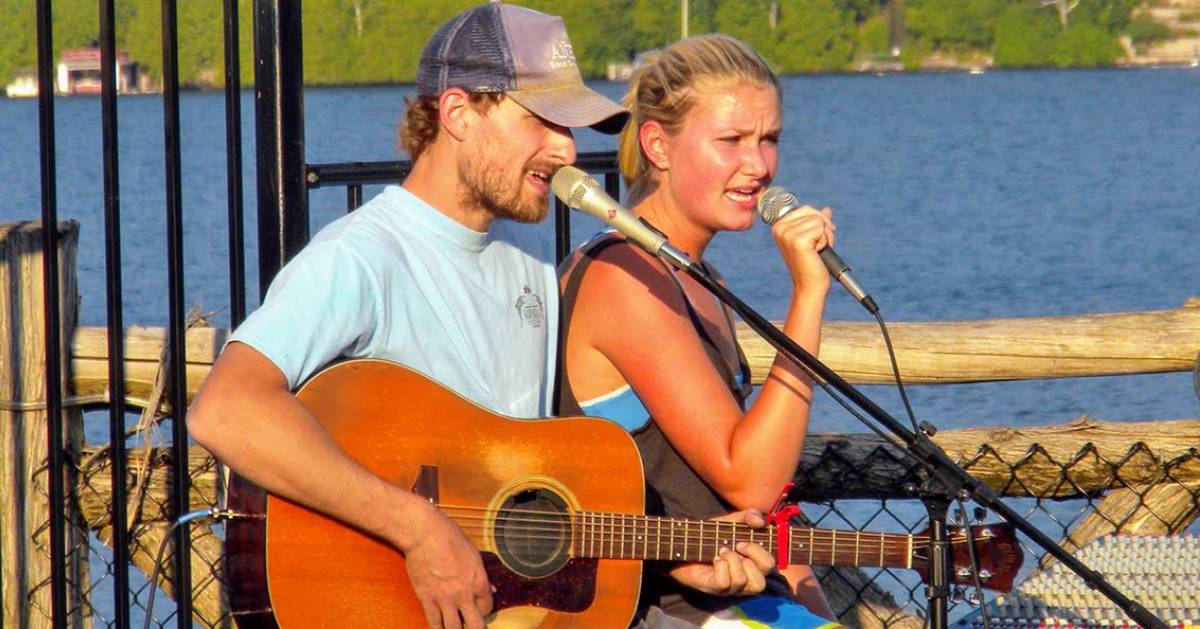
[425, 275]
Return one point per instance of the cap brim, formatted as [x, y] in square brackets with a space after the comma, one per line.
[573, 106]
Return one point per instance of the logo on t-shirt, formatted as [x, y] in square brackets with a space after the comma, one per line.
[529, 306]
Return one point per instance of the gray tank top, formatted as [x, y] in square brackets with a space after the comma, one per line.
[673, 488]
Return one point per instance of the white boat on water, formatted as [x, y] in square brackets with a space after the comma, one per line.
[22, 87]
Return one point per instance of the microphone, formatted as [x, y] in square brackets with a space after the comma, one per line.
[773, 203]
[582, 192]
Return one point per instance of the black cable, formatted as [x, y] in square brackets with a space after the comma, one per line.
[967, 529]
[962, 510]
[887, 341]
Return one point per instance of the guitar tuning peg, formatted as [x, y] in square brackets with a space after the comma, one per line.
[972, 597]
[956, 594]
[980, 514]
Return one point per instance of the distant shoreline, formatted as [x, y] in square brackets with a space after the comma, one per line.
[864, 68]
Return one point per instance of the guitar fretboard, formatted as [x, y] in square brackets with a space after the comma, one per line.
[623, 536]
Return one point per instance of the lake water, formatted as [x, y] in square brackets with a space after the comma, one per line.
[958, 197]
[1008, 194]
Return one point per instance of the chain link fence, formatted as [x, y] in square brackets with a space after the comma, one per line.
[1109, 484]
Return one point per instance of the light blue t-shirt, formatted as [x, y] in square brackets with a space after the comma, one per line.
[398, 280]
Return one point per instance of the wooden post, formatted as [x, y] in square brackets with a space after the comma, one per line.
[24, 475]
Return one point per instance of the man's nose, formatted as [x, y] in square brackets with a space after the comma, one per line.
[561, 143]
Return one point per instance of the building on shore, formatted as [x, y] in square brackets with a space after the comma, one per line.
[78, 72]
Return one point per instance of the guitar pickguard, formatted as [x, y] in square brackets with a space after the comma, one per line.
[570, 589]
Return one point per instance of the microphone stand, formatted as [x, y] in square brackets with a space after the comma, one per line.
[947, 479]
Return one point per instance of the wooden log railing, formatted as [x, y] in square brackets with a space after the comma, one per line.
[1005, 349]
[928, 353]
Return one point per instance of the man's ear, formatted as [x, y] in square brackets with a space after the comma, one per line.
[455, 113]
[654, 141]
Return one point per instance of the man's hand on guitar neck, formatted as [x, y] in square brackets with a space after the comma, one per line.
[736, 571]
[446, 572]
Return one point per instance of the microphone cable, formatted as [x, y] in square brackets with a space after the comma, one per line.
[887, 341]
[928, 430]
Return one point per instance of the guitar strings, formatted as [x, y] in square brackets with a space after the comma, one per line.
[550, 525]
[597, 523]
[691, 548]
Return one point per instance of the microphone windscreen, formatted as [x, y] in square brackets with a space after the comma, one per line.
[570, 184]
[774, 202]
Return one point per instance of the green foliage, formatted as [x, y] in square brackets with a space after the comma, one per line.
[1143, 30]
[74, 23]
[954, 24]
[1024, 37]
[815, 36]
[808, 35]
[872, 36]
[1027, 36]
[17, 45]
[1112, 16]
[1085, 45]
[863, 10]
[379, 41]
[655, 23]
[913, 54]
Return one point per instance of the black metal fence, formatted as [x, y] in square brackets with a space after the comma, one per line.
[176, 386]
[126, 536]
[140, 491]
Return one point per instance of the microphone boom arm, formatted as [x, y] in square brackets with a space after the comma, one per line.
[584, 193]
[952, 476]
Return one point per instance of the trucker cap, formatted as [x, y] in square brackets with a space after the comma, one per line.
[525, 54]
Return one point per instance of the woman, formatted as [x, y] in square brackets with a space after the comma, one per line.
[653, 350]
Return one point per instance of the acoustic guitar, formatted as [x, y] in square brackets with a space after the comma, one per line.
[555, 507]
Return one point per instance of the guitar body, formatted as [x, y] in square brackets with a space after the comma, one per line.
[297, 568]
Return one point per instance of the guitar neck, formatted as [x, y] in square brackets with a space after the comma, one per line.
[621, 536]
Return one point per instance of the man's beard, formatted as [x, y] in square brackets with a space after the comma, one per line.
[487, 189]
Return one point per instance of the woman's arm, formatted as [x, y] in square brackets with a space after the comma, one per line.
[631, 313]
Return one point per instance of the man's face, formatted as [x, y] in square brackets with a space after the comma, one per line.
[509, 160]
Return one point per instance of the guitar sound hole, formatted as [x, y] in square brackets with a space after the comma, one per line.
[533, 532]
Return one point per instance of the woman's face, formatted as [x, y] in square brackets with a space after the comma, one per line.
[725, 154]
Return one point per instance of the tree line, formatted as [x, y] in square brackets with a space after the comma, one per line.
[379, 41]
